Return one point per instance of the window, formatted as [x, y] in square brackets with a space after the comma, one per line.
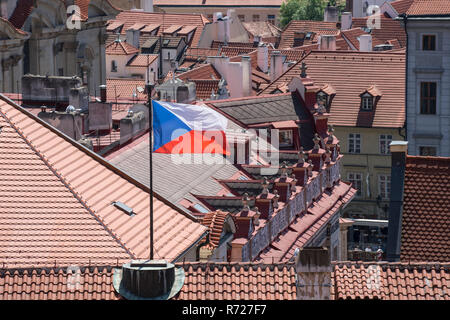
[255, 17]
[356, 180]
[60, 72]
[385, 140]
[271, 18]
[428, 151]
[384, 186]
[354, 143]
[286, 139]
[113, 66]
[241, 17]
[200, 208]
[367, 102]
[299, 39]
[429, 42]
[428, 97]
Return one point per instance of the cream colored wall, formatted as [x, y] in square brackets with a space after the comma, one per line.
[248, 12]
[369, 161]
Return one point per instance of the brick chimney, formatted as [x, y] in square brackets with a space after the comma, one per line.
[316, 155]
[283, 184]
[313, 268]
[398, 158]
[264, 200]
[300, 169]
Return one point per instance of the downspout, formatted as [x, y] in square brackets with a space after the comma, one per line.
[405, 20]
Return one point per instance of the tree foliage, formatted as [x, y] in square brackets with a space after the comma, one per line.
[303, 10]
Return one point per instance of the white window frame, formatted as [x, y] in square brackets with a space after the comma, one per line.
[360, 192]
[387, 141]
[386, 189]
[355, 139]
[367, 102]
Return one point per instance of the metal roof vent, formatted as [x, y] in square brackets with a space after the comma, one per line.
[148, 280]
[122, 206]
[70, 109]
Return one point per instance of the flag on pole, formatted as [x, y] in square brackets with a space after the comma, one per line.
[186, 128]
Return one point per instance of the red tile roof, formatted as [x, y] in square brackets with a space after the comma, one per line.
[142, 60]
[73, 188]
[352, 36]
[204, 71]
[319, 27]
[215, 222]
[235, 51]
[429, 8]
[238, 281]
[120, 48]
[124, 88]
[401, 6]
[426, 210]
[165, 20]
[361, 70]
[216, 44]
[262, 29]
[389, 29]
[204, 88]
[391, 281]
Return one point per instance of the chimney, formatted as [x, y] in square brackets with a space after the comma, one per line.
[263, 57]
[330, 14]
[283, 184]
[236, 249]
[246, 76]
[313, 268]
[147, 5]
[264, 200]
[398, 158]
[327, 43]
[346, 21]
[133, 37]
[147, 279]
[102, 93]
[276, 65]
[365, 43]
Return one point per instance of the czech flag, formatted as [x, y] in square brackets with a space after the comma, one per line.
[185, 128]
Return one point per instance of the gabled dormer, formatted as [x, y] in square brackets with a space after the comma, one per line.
[369, 98]
[325, 96]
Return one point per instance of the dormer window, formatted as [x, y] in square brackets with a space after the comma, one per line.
[325, 96]
[322, 98]
[367, 102]
[369, 98]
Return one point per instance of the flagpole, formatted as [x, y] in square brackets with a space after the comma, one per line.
[150, 142]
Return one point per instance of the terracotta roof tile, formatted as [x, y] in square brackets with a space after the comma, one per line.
[216, 44]
[389, 29]
[330, 67]
[142, 60]
[21, 12]
[204, 88]
[204, 71]
[318, 27]
[401, 6]
[62, 179]
[120, 48]
[238, 281]
[391, 281]
[429, 8]
[164, 20]
[426, 210]
[124, 89]
[215, 221]
[262, 29]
